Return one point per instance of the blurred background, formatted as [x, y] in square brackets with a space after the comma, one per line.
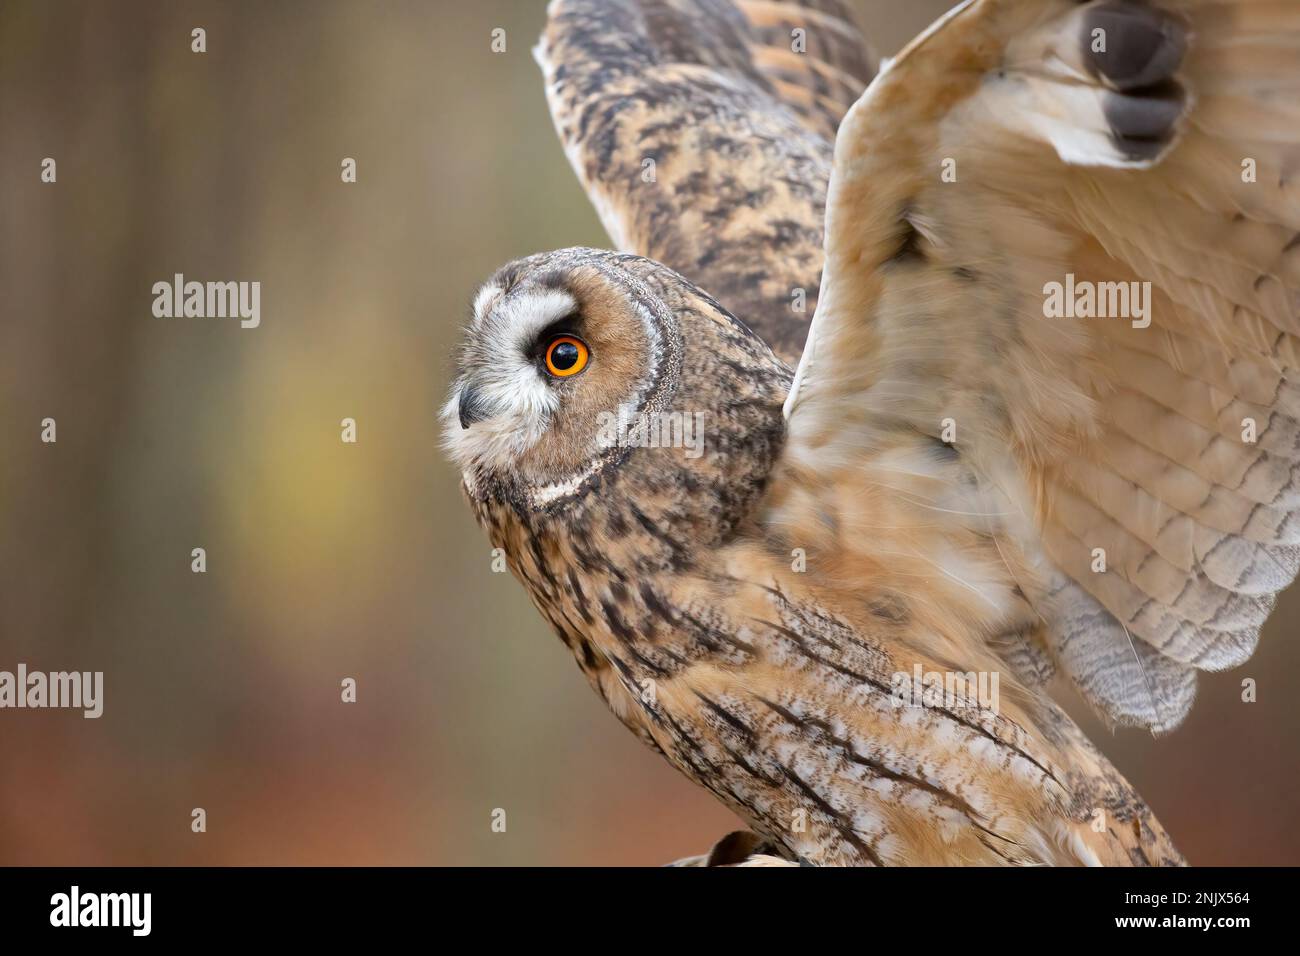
[328, 560]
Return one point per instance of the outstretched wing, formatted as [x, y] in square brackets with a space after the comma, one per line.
[703, 130]
[1055, 368]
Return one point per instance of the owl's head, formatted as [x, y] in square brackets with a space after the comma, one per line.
[579, 364]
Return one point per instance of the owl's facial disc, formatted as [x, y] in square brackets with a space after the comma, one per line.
[557, 343]
[502, 402]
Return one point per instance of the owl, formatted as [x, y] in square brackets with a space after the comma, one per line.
[907, 391]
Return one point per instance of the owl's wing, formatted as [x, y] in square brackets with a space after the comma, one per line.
[1138, 475]
[702, 131]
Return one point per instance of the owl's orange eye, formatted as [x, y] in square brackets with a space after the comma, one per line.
[566, 356]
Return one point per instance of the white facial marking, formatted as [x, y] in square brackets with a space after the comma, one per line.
[515, 399]
[484, 299]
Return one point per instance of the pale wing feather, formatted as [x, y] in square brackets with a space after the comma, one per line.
[1093, 434]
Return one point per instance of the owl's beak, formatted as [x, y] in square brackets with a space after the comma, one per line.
[472, 409]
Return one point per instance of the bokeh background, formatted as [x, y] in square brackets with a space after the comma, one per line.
[328, 560]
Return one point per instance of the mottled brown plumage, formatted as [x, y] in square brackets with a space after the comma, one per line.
[740, 129]
[926, 495]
